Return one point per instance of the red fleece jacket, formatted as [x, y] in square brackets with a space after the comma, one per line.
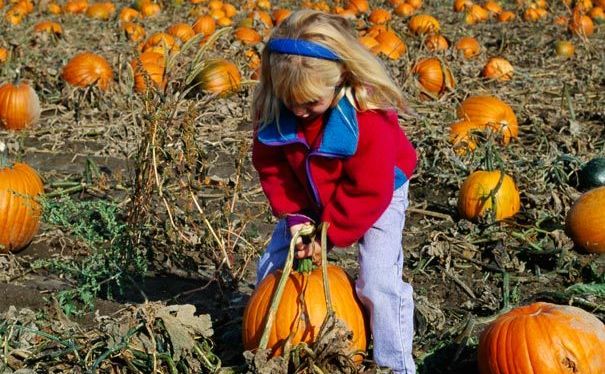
[350, 193]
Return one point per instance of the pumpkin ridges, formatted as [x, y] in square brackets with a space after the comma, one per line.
[19, 106]
[20, 212]
[315, 307]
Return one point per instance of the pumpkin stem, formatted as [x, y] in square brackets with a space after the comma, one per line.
[305, 230]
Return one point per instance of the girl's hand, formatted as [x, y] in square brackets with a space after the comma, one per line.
[304, 250]
[312, 250]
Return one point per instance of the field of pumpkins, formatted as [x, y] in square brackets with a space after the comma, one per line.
[132, 219]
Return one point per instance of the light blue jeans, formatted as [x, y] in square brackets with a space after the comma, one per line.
[380, 287]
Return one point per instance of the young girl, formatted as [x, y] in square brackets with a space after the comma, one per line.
[328, 148]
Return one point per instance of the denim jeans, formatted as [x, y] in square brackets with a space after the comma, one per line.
[380, 287]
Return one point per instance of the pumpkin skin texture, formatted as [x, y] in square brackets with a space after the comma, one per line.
[88, 68]
[149, 67]
[585, 221]
[592, 174]
[490, 111]
[19, 211]
[474, 200]
[433, 76]
[220, 77]
[288, 318]
[543, 338]
[19, 106]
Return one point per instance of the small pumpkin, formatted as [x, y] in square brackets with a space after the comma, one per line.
[101, 11]
[19, 210]
[468, 46]
[49, 27]
[19, 106]
[4, 55]
[359, 6]
[581, 25]
[247, 35]
[491, 112]
[592, 174]
[160, 42]
[493, 7]
[585, 222]
[498, 68]
[75, 6]
[436, 42]
[417, 4]
[150, 9]
[461, 136]
[303, 293]
[54, 8]
[204, 25]
[219, 76]
[506, 16]
[433, 76]
[390, 44]
[597, 14]
[423, 24]
[134, 31]
[461, 5]
[476, 14]
[565, 48]
[543, 338]
[87, 68]
[488, 191]
[128, 14]
[379, 16]
[404, 10]
[149, 67]
[280, 14]
[181, 31]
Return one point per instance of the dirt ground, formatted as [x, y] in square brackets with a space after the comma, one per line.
[463, 273]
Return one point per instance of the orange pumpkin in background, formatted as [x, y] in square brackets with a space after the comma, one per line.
[86, 69]
[498, 68]
[219, 76]
[423, 24]
[468, 46]
[585, 221]
[19, 106]
[181, 31]
[489, 111]
[486, 192]
[19, 210]
[433, 76]
[149, 67]
[543, 338]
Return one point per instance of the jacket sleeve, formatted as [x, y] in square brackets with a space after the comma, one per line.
[366, 190]
[283, 189]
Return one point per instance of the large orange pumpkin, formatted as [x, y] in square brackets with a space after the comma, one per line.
[481, 193]
[493, 112]
[19, 210]
[219, 76]
[302, 309]
[86, 69]
[19, 106]
[585, 221]
[433, 76]
[543, 338]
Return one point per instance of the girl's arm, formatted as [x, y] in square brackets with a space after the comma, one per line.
[284, 191]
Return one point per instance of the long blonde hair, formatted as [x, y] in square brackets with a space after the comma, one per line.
[297, 79]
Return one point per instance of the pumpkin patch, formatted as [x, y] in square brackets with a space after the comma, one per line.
[133, 215]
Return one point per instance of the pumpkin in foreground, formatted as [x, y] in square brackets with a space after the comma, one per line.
[19, 210]
[302, 316]
[585, 221]
[483, 192]
[543, 338]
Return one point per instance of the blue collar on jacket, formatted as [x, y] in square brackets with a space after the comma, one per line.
[339, 138]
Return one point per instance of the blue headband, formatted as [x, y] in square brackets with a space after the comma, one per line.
[302, 47]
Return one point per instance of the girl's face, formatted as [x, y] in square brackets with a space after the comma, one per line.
[312, 109]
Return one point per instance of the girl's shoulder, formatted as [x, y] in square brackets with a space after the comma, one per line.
[377, 118]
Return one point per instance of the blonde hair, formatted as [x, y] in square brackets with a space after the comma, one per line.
[293, 79]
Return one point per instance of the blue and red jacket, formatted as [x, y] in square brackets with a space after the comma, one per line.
[347, 180]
